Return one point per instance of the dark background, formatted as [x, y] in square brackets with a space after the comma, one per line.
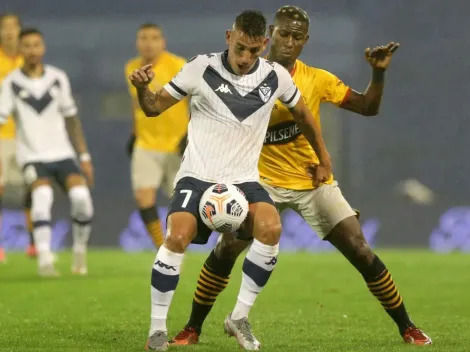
[421, 132]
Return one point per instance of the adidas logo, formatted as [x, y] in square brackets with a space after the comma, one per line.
[224, 89]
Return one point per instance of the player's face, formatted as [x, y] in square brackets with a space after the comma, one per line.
[150, 43]
[9, 30]
[32, 48]
[288, 40]
[243, 50]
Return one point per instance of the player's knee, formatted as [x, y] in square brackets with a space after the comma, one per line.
[362, 252]
[178, 241]
[81, 203]
[41, 203]
[229, 247]
[269, 232]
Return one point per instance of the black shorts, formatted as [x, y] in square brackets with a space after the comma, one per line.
[57, 170]
[188, 193]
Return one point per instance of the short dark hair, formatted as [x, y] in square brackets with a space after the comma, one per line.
[148, 25]
[251, 22]
[29, 31]
[292, 12]
[7, 14]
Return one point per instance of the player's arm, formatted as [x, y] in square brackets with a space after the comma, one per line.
[152, 103]
[312, 132]
[74, 128]
[76, 136]
[291, 98]
[368, 103]
[182, 85]
[6, 101]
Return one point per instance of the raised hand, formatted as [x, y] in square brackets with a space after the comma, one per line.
[380, 56]
[142, 77]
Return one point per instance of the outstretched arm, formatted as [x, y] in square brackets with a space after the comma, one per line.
[152, 103]
[368, 103]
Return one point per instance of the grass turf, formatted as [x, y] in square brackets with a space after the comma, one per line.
[313, 302]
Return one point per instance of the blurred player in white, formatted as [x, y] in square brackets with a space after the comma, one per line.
[10, 173]
[231, 97]
[40, 98]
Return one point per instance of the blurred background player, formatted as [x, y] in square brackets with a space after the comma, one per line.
[285, 163]
[154, 144]
[48, 131]
[10, 173]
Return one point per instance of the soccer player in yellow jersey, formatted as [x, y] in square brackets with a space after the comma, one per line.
[10, 173]
[155, 143]
[286, 165]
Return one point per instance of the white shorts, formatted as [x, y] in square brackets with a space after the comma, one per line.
[322, 208]
[10, 172]
[151, 169]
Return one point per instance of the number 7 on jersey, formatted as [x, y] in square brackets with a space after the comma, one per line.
[188, 193]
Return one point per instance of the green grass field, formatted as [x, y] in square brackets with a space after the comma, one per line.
[314, 302]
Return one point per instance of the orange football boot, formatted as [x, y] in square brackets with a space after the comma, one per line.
[3, 257]
[415, 336]
[31, 251]
[187, 336]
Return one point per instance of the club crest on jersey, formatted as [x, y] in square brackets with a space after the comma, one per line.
[23, 94]
[265, 93]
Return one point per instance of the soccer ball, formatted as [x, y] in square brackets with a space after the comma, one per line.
[223, 208]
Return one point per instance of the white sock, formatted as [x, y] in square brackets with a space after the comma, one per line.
[42, 198]
[81, 235]
[42, 238]
[165, 276]
[82, 214]
[257, 268]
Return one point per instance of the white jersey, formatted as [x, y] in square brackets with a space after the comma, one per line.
[229, 115]
[39, 106]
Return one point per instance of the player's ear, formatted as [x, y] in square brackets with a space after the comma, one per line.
[307, 38]
[271, 31]
[228, 33]
[265, 43]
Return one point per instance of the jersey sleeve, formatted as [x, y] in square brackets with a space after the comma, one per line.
[289, 93]
[68, 107]
[185, 81]
[6, 100]
[334, 90]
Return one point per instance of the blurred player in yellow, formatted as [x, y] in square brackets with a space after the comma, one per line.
[10, 26]
[286, 166]
[154, 145]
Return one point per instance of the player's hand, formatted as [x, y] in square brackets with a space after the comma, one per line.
[130, 145]
[380, 56]
[142, 77]
[87, 168]
[319, 174]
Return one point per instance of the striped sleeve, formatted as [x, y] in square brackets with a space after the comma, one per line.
[6, 100]
[289, 93]
[185, 81]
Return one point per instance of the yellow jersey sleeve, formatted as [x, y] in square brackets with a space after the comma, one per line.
[334, 90]
[130, 66]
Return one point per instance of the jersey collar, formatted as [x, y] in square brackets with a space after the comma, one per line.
[229, 68]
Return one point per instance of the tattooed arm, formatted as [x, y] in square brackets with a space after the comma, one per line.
[152, 104]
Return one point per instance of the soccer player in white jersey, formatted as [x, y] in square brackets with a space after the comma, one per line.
[232, 95]
[40, 98]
